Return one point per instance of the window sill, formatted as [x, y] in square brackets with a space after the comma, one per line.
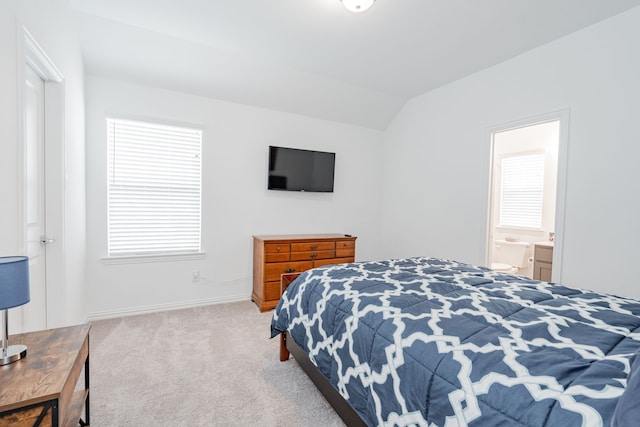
[514, 228]
[139, 259]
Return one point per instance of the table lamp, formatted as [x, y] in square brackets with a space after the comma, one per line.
[14, 291]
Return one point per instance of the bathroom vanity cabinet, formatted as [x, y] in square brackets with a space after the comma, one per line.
[542, 261]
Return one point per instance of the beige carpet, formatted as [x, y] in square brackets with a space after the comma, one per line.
[204, 366]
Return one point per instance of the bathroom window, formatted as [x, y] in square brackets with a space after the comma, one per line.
[522, 191]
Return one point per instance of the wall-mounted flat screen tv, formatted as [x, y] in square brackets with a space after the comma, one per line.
[293, 169]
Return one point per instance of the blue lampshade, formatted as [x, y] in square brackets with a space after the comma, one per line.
[14, 281]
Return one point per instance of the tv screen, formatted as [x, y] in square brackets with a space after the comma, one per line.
[292, 169]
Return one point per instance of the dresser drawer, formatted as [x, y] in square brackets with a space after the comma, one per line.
[301, 256]
[312, 246]
[332, 261]
[345, 252]
[277, 257]
[272, 290]
[277, 252]
[271, 248]
[273, 271]
[346, 244]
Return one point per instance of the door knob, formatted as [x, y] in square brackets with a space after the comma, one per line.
[45, 240]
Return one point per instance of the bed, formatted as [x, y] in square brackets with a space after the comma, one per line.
[434, 342]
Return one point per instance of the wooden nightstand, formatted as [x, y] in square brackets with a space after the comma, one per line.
[42, 388]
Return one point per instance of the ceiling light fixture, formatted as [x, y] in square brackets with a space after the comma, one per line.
[357, 5]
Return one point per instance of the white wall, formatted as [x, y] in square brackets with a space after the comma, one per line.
[50, 22]
[437, 155]
[236, 203]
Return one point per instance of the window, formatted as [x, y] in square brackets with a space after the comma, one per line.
[154, 189]
[522, 191]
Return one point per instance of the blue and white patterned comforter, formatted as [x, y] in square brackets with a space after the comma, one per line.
[432, 342]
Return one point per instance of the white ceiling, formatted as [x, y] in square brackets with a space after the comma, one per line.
[313, 57]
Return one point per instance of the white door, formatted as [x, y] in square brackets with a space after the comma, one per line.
[33, 315]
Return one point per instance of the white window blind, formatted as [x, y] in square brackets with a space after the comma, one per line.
[522, 191]
[154, 188]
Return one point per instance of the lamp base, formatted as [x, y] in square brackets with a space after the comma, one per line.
[14, 353]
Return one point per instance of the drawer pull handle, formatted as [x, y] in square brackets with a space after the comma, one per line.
[290, 270]
[314, 255]
[314, 247]
[278, 248]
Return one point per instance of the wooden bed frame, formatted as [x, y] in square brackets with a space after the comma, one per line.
[335, 399]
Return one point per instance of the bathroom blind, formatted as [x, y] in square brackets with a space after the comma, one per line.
[522, 191]
[153, 188]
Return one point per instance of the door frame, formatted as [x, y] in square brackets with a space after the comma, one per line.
[563, 117]
[30, 53]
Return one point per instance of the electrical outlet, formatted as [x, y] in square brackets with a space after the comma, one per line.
[196, 276]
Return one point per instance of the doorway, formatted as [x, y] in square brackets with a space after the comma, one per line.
[526, 195]
[41, 203]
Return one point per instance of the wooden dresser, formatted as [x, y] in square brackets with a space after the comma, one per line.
[276, 255]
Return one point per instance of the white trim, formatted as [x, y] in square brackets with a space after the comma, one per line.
[505, 227]
[22, 167]
[38, 59]
[110, 314]
[563, 116]
[155, 120]
[561, 199]
[138, 259]
[31, 54]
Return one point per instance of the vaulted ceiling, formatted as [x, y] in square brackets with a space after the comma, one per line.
[313, 57]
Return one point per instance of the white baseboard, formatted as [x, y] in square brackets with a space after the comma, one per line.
[110, 314]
